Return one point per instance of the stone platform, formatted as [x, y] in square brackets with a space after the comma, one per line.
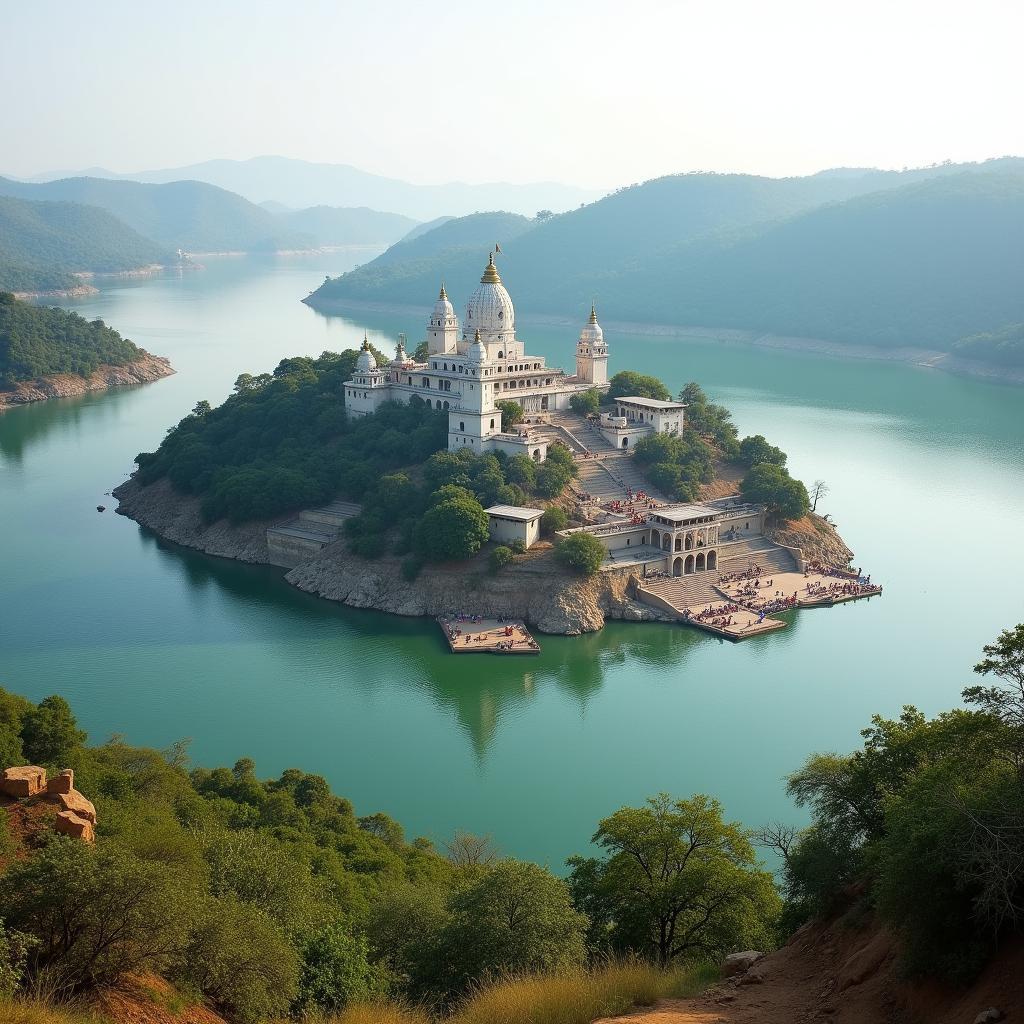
[488, 636]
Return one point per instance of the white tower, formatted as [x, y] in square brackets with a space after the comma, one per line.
[592, 353]
[368, 387]
[443, 327]
[475, 419]
[490, 314]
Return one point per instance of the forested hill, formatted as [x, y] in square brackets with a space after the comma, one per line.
[342, 225]
[38, 341]
[43, 243]
[189, 215]
[847, 257]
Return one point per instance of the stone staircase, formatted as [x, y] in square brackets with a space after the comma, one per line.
[682, 591]
[740, 555]
[308, 533]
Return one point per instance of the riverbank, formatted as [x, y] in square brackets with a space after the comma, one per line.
[68, 385]
[931, 359]
[535, 588]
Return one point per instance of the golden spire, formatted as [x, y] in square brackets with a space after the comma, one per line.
[444, 294]
[593, 314]
[477, 338]
[490, 272]
[366, 342]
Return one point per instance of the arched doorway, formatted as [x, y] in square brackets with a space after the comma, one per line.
[428, 403]
[446, 405]
[625, 442]
[666, 542]
[656, 538]
[677, 567]
[712, 559]
[689, 563]
[699, 567]
[689, 541]
[536, 455]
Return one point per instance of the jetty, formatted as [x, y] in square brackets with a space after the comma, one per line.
[476, 635]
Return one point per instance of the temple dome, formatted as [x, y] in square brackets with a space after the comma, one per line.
[401, 357]
[490, 308]
[365, 361]
[592, 334]
[477, 353]
[443, 308]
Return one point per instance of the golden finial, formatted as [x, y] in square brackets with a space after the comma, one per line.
[477, 338]
[444, 294]
[366, 342]
[593, 313]
[490, 272]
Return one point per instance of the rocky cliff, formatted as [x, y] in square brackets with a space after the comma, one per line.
[818, 539]
[67, 385]
[534, 588]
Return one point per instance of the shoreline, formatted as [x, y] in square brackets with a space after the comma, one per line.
[143, 370]
[928, 359]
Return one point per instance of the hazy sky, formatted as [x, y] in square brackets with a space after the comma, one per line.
[585, 91]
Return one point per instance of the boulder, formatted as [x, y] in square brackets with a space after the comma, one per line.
[63, 783]
[77, 804]
[28, 780]
[738, 963]
[990, 1016]
[70, 824]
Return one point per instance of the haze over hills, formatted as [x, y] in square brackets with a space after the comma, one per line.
[42, 244]
[301, 183]
[189, 215]
[922, 258]
[334, 225]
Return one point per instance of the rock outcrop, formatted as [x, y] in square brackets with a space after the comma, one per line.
[535, 588]
[817, 539]
[77, 815]
[68, 385]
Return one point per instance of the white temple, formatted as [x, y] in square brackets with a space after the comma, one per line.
[472, 366]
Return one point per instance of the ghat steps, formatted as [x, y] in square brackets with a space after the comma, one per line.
[312, 530]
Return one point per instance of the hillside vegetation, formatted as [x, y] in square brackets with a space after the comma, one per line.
[42, 244]
[924, 258]
[271, 898]
[189, 215]
[37, 341]
[337, 225]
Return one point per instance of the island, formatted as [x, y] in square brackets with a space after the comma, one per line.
[47, 352]
[471, 479]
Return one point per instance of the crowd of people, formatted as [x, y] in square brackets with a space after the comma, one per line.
[720, 616]
[842, 588]
[511, 634]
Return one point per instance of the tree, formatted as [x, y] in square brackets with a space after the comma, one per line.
[515, 918]
[553, 520]
[675, 881]
[511, 413]
[631, 383]
[585, 403]
[756, 450]
[96, 913]
[469, 851]
[50, 733]
[421, 352]
[772, 486]
[521, 470]
[581, 552]
[500, 557]
[818, 491]
[453, 529]
[335, 971]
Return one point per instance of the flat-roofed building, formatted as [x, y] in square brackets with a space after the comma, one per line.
[513, 522]
[636, 417]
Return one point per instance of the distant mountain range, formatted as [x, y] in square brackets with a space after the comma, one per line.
[42, 244]
[49, 230]
[923, 257]
[299, 184]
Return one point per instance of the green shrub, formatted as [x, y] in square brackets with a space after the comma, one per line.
[500, 557]
[772, 486]
[585, 403]
[517, 546]
[553, 520]
[581, 552]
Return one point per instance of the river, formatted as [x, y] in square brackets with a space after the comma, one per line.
[146, 640]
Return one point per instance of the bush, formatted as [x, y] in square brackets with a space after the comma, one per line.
[500, 557]
[553, 520]
[585, 403]
[336, 971]
[517, 546]
[511, 413]
[632, 384]
[454, 529]
[754, 451]
[581, 552]
[772, 486]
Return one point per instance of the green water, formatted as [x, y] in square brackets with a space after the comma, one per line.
[156, 643]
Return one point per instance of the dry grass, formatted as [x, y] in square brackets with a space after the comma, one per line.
[616, 987]
[574, 998]
[32, 1012]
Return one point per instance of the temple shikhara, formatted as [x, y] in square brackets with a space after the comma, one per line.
[473, 365]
